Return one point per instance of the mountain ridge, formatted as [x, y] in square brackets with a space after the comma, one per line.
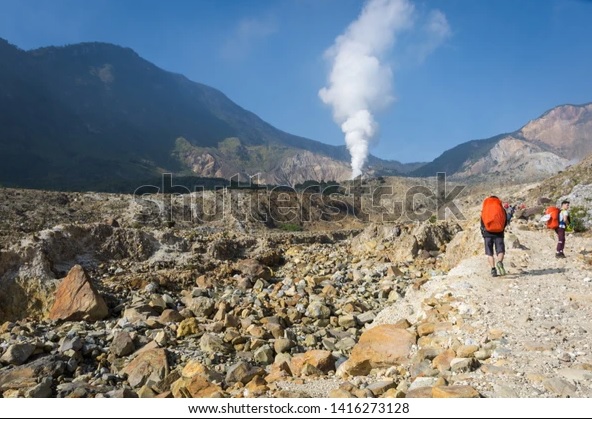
[112, 109]
[543, 146]
[96, 115]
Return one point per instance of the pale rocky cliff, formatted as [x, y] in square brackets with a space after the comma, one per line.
[566, 130]
[515, 159]
[306, 165]
[543, 147]
[274, 164]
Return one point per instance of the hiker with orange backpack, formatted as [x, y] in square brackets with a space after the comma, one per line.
[493, 225]
[558, 219]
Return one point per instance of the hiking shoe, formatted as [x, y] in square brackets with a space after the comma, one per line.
[500, 268]
[559, 255]
[493, 272]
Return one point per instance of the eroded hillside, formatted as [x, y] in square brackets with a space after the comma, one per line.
[341, 299]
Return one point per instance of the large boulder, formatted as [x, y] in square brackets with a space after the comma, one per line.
[77, 299]
[379, 347]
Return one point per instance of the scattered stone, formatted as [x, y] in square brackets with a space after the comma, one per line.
[496, 369]
[454, 391]
[318, 310]
[341, 394]
[196, 386]
[278, 371]
[378, 388]
[17, 354]
[461, 364]
[421, 382]
[25, 377]
[345, 344]
[188, 327]
[257, 387]
[254, 269]
[559, 387]
[366, 317]
[538, 347]
[43, 390]
[211, 343]
[481, 354]
[425, 329]
[419, 393]
[576, 375]
[122, 344]
[170, 316]
[502, 391]
[71, 343]
[150, 366]
[200, 306]
[468, 351]
[322, 360]
[242, 372]
[264, 355]
[443, 361]
[282, 345]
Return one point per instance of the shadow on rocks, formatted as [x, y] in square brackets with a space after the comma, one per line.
[543, 272]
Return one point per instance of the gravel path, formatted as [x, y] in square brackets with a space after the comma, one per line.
[540, 315]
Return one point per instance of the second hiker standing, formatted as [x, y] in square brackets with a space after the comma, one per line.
[564, 221]
[493, 225]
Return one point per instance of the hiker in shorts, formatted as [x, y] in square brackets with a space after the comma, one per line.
[493, 210]
[564, 221]
[494, 241]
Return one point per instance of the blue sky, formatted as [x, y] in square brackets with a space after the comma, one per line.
[489, 66]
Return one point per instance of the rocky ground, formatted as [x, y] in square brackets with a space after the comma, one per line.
[105, 304]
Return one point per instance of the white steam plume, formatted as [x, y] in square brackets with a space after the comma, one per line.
[359, 84]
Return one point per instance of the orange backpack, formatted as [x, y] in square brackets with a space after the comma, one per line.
[553, 222]
[493, 215]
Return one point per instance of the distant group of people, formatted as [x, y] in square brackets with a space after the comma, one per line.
[495, 218]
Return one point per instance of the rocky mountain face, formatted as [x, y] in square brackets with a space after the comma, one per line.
[273, 165]
[544, 146]
[565, 131]
[86, 116]
[514, 159]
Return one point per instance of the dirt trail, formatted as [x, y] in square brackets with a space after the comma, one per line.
[540, 315]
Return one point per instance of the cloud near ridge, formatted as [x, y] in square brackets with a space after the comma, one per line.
[248, 32]
[435, 32]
